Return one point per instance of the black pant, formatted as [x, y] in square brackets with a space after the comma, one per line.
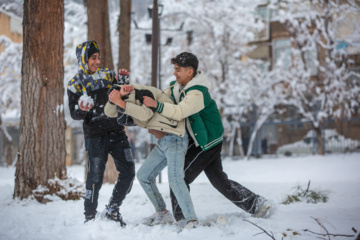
[209, 161]
[98, 149]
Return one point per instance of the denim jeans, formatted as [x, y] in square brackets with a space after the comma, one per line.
[169, 150]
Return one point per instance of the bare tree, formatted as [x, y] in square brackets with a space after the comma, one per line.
[98, 29]
[42, 125]
[331, 91]
[124, 34]
[9, 83]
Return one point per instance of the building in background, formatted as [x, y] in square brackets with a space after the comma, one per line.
[275, 42]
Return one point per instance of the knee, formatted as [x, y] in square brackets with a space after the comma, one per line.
[130, 173]
[175, 180]
[140, 175]
[126, 176]
[94, 177]
[144, 177]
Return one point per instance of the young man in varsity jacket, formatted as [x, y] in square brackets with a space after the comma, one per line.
[203, 123]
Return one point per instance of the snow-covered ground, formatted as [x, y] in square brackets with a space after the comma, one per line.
[271, 177]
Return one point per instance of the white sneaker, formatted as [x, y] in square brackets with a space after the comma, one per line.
[163, 217]
[183, 224]
[265, 208]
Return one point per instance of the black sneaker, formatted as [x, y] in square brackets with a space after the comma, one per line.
[90, 217]
[114, 215]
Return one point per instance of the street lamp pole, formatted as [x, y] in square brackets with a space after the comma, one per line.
[155, 11]
[159, 48]
[155, 44]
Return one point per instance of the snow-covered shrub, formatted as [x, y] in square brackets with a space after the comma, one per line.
[67, 189]
[306, 195]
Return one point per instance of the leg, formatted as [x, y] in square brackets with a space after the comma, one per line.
[97, 157]
[194, 165]
[235, 192]
[175, 148]
[124, 162]
[154, 163]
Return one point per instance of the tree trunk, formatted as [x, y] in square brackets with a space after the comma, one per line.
[320, 142]
[8, 151]
[42, 125]
[98, 29]
[124, 34]
[239, 142]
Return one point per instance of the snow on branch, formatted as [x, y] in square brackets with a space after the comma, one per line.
[10, 78]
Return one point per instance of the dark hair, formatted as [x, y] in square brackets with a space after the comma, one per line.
[186, 59]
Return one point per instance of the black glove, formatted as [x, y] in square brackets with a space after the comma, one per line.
[140, 93]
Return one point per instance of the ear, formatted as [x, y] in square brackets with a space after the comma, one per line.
[190, 72]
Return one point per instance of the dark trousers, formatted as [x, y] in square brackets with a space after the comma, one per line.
[209, 161]
[98, 148]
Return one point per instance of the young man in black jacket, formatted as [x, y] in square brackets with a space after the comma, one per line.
[103, 135]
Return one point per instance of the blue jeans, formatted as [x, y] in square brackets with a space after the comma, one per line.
[169, 150]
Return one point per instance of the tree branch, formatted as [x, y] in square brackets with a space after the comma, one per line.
[307, 189]
[272, 235]
[327, 234]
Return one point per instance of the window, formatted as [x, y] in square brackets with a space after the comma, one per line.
[311, 61]
[263, 14]
[282, 53]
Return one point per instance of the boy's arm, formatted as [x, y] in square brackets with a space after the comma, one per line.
[192, 103]
[75, 110]
[115, 99]
[110, 110]
[141, 112]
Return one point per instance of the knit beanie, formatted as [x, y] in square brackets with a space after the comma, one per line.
[92, 50]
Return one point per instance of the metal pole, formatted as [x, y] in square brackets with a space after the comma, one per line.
[159, 84]
[155, 52]
[155, 44]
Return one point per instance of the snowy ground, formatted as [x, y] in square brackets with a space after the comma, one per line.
[271, 177]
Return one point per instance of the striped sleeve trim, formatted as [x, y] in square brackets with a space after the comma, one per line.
[159, 107]
[213, 143]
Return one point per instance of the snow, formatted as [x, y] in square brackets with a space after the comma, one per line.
[272, 177]
[86, 100]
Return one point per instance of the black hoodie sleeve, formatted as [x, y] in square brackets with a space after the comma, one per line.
[75, 112]
[125, 120]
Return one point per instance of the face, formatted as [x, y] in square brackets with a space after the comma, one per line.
[183, 74]
[93, 62]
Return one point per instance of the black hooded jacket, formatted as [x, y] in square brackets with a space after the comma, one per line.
[96, 86]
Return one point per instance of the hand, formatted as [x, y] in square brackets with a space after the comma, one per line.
[158, 134]
[85, 108]
[149, 102]
[126, 90]
[114, 96]
[124, 71]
